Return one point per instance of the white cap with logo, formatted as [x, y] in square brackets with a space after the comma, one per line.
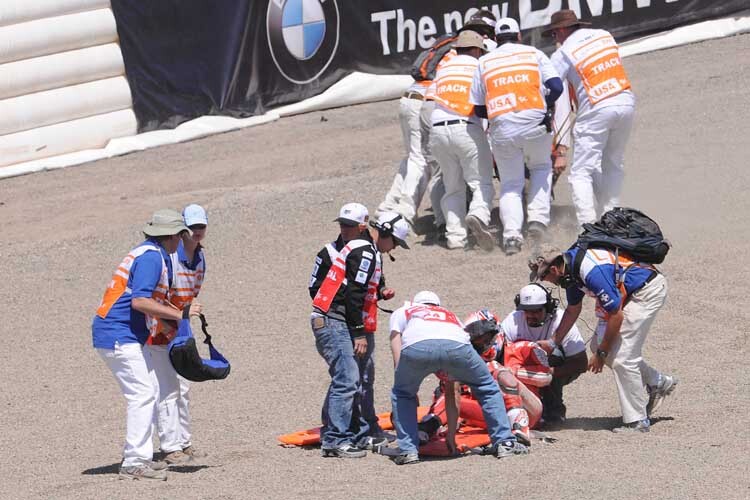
[506, 26]
[532, 296]
[353, 214]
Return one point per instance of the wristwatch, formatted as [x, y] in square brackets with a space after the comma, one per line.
[602, 353]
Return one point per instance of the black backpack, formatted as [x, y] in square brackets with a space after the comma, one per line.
[425, 65]
[625, 230]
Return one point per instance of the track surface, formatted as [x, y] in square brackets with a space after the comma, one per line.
[271, 193]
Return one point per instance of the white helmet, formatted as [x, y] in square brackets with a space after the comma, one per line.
[534, 296]
[426, 297]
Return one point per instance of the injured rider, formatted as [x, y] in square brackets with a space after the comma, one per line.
[520, 369]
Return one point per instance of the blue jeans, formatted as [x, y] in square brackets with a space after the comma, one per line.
[344, 414]
[462, 363]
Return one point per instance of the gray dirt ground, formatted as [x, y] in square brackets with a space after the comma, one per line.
[271, 193]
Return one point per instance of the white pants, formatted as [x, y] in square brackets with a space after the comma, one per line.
[183, 409]
[465, 158]
[436, 187]
[167, 409]
[410, 182]
[133, 371]
[532, 148]
[632, 373]
[596, 173]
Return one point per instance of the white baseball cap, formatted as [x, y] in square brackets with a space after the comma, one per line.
[194, 214]
[426, 297]
[353, 214]
[506, 26]
[392, 224]
[532, 296]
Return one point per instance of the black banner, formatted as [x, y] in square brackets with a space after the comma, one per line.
[187, 58]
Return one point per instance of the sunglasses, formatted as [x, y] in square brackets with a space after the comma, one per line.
[197, 227]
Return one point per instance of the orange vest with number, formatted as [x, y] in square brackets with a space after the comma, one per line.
[597, 62]
[336, 277]
[453, 84]
[118, 285]
[513, 82]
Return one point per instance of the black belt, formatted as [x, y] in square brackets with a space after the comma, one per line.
[648, 280]
[450, 122]
[413, 95]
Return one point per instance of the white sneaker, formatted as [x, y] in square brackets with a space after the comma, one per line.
[656, 394]
[137, 472]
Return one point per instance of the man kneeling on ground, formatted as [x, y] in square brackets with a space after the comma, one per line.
[426, 338]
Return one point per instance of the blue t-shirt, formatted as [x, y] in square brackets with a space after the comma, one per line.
[124, 324]
[599, 276]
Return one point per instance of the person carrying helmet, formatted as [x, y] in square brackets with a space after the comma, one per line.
[536, 319]
[427, 338]
[343, 320]
[136, 299]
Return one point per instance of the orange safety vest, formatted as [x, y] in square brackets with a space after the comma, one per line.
[430, 94]
[336, 277]
[599, 66]
[513, 82]
[186, 285]
[118, 286]
[453, 83]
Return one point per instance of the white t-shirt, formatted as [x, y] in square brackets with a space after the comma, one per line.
[512, 124]
[515, 328]
[418, 322]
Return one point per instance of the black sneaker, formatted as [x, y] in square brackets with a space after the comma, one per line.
[345, 451]
[372, 443]
[510, 448]
[406, 459]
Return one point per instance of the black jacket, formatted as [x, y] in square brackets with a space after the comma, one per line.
[349, 301]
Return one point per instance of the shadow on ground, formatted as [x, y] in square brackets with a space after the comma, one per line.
[115, 469]
[600, 423]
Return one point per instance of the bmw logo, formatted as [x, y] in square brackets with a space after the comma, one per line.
[303, 36]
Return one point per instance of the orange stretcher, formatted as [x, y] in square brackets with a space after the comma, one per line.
[311, 437]
[468, 436]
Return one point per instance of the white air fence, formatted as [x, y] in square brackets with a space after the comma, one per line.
[62, 79]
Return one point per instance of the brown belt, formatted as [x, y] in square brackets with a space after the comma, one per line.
[413, 95]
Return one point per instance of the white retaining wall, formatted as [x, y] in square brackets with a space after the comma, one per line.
[62, 83]
[85, 139]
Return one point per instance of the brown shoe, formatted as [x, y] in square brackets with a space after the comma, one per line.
[194, 452]
[177, 458]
